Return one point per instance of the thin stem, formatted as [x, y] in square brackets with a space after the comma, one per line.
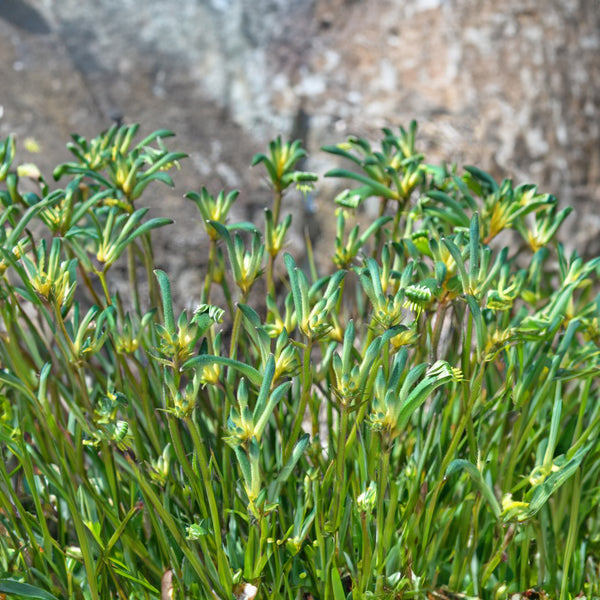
[572, 535]
[235, 335]
[450, 454]
[338, 304]
[384, 463]
[212, 251]
[181, 453]
[133, 279]
[148, 260]
[379, 233]
[269, 273]
[88, 284]
[102, 278]
[437, 329]
[396, 222]
[277, 197]
[340, 482]
[306, 385]
[365, 575]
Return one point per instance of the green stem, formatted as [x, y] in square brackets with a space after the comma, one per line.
[277, 207]
[340, 482]
[168, 521]
[379, 233]
[142, 388]
[235, 333]
[362, 411]
[233, 349]
[148, 259]
[82, 537]
[199, 448]
[181, 454]
[270, 280]
[467, 347]
[133, 279]
[111, 473]
[222, 560]
[381, 490]
[304, 397]
[450, 454]
[396, 222]
[365, 576]
[524, 566]
[89, 286]
[102, 278]
[338, 304]
[72, 358]
[437, 330]
[572, 535]
[212, 249]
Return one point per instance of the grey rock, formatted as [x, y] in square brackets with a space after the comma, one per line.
[513, 87]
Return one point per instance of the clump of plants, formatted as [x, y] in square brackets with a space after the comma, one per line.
[419, 422]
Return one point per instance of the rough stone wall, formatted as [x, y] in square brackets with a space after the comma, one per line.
[517, 80]
[511, 86]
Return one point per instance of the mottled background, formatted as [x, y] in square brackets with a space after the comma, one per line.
[511, 86]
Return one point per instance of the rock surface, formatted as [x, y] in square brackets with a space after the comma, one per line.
[513, 87]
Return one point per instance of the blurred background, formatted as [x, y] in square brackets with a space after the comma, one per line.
[511, 86]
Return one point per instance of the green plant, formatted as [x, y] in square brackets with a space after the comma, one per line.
[420, 422]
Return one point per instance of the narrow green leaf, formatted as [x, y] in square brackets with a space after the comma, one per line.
[265, 387]
[208, 359]
[167, 300]
[555, 480]
[242, 226]
[377, 188]
[297, 295]
[299, 449]
[452, 212]
[9, 586]
[267, 411]
[474, 473]
[149, 178]
[332, 149]
[460, 263]
[478, 322]
[226, 237]
[474, 249]
[483, 178]
[147, 226]
[336, 584]
[244, 466]
[159, 133]
[250, 314]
